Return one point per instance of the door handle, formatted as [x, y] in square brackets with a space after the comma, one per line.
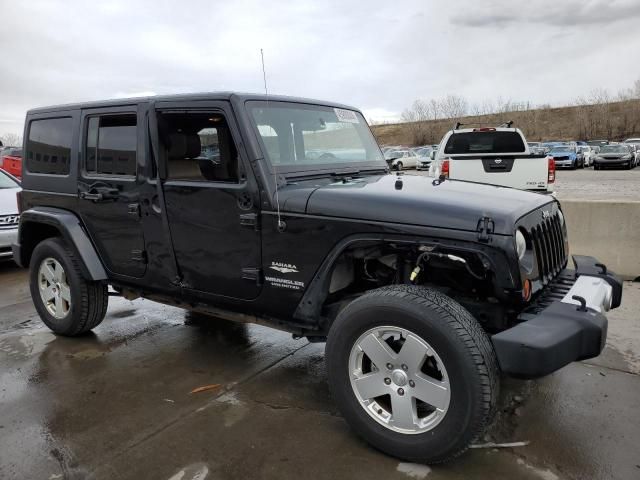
[95, 197]
[97, 194]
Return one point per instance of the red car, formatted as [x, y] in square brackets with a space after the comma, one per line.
[11, 161]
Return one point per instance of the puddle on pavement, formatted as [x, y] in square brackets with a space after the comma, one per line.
[26, 345]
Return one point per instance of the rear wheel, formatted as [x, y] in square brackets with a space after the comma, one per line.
[66, 302]
[412, 372]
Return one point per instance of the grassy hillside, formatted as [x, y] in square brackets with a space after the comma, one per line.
[613, 121]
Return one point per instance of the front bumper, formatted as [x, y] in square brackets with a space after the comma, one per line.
[565, 163]
[8, 236]
[612, 162]
[566, 323]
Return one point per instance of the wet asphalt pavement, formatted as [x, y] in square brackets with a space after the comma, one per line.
[116, 404]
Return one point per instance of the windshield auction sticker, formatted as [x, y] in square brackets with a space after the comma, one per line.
[346, 115]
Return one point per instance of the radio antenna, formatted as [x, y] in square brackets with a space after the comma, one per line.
[281, 224]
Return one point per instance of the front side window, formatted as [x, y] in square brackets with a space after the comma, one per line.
[302, 137]
[111, 145]
[199, 147]
[49, 146]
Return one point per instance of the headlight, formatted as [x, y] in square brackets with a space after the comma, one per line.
[627, 157]
[521, 244]
[598, 157]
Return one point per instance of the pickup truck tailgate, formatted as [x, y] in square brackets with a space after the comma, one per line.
[526, 172]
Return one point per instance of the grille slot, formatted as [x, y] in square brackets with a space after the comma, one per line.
[548, 244]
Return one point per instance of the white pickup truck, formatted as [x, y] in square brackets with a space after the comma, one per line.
[494, 155]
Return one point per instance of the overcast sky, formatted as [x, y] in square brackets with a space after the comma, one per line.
[376, 55]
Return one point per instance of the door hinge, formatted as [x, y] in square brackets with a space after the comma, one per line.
[252, 273]
[139, 256]
[485, 229]
[250, 220]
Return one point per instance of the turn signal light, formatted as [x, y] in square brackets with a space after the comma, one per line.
[526, 290]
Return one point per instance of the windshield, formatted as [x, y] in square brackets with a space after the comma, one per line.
[484, 142]
[6, 181]
[301, 137]
[614, 149]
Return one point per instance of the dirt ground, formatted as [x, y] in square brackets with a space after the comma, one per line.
[116, 404]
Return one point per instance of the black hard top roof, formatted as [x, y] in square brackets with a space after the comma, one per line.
[185, 97]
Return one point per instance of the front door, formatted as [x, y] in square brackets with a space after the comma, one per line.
[210, 200]
[108, 194]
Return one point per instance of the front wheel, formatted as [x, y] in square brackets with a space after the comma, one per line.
[412, 372]
[399, 166]
[66, 302]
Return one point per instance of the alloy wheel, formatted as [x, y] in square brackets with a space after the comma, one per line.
[399, 380]
[54, 288]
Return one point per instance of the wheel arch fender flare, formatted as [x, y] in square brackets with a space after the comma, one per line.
[310, 305]
[39, 223]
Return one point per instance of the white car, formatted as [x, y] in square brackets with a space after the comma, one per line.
[493, 155]
[400, 159]
[9, 216]
[589, 154]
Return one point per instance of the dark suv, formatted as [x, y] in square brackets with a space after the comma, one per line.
[283, 211]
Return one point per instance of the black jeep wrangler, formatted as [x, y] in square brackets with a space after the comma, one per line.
[283, 211]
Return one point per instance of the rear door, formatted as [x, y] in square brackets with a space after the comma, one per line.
[107, 187]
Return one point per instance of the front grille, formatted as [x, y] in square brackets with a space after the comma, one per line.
[9, 221]
[561, 158]
[548, 242]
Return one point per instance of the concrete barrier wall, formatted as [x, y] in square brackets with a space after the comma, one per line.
[607, 230]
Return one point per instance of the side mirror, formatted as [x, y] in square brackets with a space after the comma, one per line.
[432, 155]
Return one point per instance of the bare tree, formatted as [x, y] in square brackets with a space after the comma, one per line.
[636, 89]
[11, 140]
[454, 106]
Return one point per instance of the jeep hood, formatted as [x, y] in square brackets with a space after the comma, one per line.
[414, 200]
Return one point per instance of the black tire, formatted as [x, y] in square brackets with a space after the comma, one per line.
[458, 339]
[89, 299]
[399, 166]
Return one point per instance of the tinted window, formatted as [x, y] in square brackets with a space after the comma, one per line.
[111, 145]
[484, 142]
[199, 147]
[49, 146]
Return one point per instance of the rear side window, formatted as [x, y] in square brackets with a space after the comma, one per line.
[49, 146]
[484, 142]
[111, 145]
